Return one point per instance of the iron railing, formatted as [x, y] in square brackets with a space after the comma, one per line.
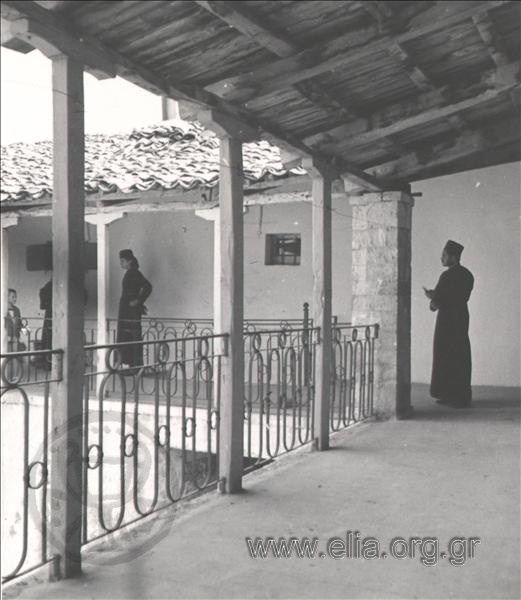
[352, 377]
[151, 432]
[279, 392]
[155, 438]
[25, 459]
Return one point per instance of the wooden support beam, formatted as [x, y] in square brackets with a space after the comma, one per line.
[322, 296]
[323, 58]
[495, 47]
[225, 125]
[55, 42]
[231, 230]
[437, 156]
[242, 19]
[11, 42]
[54, 32]
[500, 80]
[426, 117]
[68, 313]
[415, 73]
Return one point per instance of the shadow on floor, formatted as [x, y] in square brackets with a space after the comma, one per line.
[489, 403]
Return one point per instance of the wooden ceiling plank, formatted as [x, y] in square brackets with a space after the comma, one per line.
[425, 107]
[241, 19]
[323, 58]
[492, 41]
[466, 144]
[415, 73]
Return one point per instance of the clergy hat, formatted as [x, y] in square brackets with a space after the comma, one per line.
[453, 248]
[126, 254]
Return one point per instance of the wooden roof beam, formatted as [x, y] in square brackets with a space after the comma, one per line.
[326, 57]
[465, 145]
[241, 19]
[426, 107]
[11, 42]
[492, 41]
[415, 73]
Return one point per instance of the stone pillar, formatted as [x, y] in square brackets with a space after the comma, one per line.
[381, 287]
[6, 223]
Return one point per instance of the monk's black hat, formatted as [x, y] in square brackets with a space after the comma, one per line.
[453, 248]
[126, 254]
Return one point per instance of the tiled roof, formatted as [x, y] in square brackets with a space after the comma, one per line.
[172, 154]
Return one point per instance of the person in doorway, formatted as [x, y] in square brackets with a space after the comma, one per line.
[13, 323]
[452, 364]
[135, 290]
[46, 306]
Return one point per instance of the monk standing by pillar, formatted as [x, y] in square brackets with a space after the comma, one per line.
[452, 364]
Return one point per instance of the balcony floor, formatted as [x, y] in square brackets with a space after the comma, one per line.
[446, 473]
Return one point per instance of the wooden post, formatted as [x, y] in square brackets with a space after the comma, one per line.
[6, 223]
[232, 313]
[68, 312]
[102, 222]
[231, 134]
[322, 295]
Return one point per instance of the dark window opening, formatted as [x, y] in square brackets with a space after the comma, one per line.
[283, 249]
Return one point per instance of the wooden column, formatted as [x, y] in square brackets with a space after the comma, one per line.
[322, 295]
[68, 313]
[231, 134]
[232, 313]
[381, 281]
[102, 222]
[6, 223]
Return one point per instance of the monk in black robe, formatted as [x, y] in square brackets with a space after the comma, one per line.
[452, 365]
[135, 290]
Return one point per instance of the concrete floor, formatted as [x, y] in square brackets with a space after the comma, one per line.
[445, 473]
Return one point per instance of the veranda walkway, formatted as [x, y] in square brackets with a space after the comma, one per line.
[447, 473]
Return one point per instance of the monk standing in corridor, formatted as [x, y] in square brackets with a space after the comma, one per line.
[452, 364]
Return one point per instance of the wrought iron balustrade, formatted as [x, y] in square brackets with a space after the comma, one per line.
[279, 392]
[155, 439]
[352, 375]
[25, 458]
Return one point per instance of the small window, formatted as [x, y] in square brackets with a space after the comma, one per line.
[283, 249]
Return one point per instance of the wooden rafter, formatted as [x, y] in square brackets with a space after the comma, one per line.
[415, 73]
[495, 48]
[241, 19]
[54, 35]
[464, 146]
[426, 107]
[319, 59]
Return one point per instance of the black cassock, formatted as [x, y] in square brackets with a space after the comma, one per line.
[135, 287]
[46, 305]
[452, 364]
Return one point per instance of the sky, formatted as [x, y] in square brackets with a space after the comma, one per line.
[111, 105]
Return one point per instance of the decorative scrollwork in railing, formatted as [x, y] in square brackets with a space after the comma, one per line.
[352, 376]
[279, 392]
[25, 458]
[151, 430]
